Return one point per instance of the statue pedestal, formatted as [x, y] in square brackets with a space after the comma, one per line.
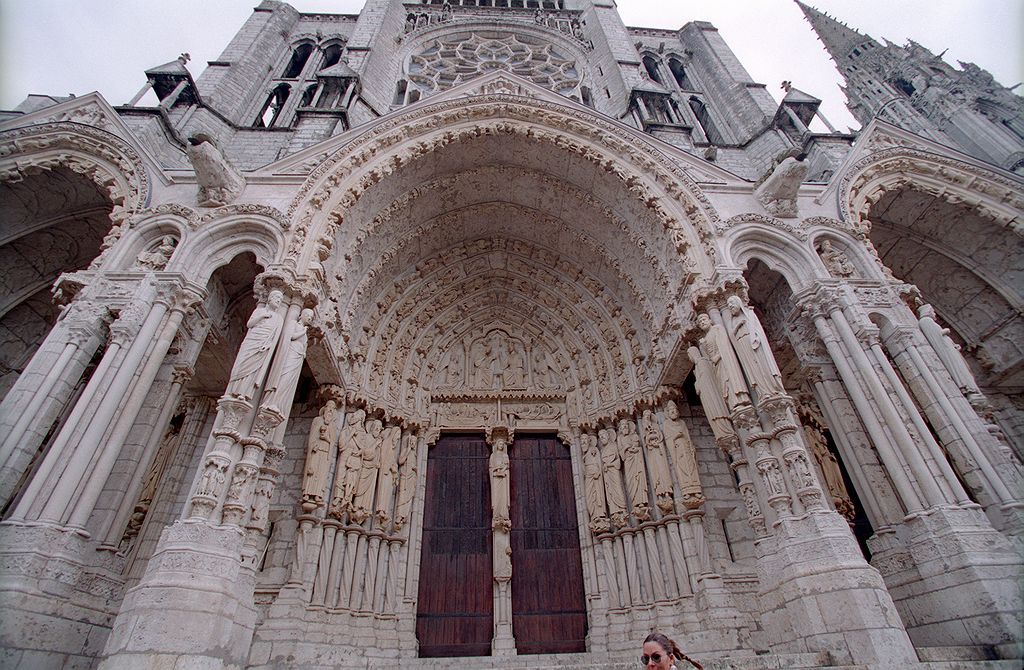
[193, 607]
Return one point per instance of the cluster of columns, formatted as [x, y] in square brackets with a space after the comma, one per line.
[915, 411]
[805, 551]
[218, 539]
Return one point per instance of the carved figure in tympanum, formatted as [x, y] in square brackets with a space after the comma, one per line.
[836, 261]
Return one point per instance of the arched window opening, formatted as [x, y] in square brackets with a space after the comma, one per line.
[332, 55]
[414, 96]
[651, 66]
[904, 86]
[298, 61]
[307, 96]
[268, 116]
[400, 92]
[588, 100]
[679, 74]
[700, 111]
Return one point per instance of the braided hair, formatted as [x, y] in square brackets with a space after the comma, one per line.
[672, 648]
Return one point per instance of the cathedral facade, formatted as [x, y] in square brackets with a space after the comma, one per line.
[499, 330]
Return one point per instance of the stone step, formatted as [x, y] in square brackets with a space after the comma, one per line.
[956, 653]
[608, 662]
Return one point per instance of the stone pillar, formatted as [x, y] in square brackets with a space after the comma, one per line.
[978, 455]
[942, 544]
[808, 560]
[504, 642]
[202, 573]
[33, 404]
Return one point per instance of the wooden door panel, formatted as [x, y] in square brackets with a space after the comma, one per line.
[549, 612]
[455, 606]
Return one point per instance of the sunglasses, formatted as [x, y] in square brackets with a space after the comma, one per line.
[656, 657]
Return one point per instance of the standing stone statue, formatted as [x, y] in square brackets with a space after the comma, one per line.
[711, 397]
[684, 457]
[718, 349]
[752, 350]
[453, 369]
[830, 471]
[654, 443]
[612, 464]
[281, 390]
[350, 463]
[253, 357]
[947, 351]
[499, 467]
[633, 462]
[369, 456]
[388, 473]
[593, 484]
[406, 480]
[318, 454]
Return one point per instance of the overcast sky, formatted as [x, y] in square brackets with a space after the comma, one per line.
[77, 46]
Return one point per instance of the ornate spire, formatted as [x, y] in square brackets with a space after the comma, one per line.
[839, 39]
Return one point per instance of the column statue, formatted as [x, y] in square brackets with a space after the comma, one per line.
[253, 359]
[318, 454]
[633, 462]
[830, 471]
[499, 467]
[406, 480]
[654, 443]
[280, 391]
[388, 473]
[593, 484]
[612, 464]
[349, 463]
[369, 456]
[752, 349]
[684, 457]
[718, 349]
[711, 397]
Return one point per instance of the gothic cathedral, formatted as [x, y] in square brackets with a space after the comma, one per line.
[499, 334]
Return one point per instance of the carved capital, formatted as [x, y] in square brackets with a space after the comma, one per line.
[297, 289]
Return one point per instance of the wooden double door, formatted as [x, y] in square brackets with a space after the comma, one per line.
[455, 615]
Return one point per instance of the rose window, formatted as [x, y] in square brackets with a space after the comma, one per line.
[447, 63]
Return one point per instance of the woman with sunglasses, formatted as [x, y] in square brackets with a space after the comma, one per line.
[661, 653]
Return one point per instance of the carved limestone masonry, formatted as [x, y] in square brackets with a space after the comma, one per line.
[349, 463]
[319, 449]
[949, 353]
[828, 466]
[836, 261]
[231, 412]
[499, 470]
[633, 463]
[684, 458]
[657, 461]
[157, 258]
[718, 350]
[781, 413]
[612, 464]
[779, 191]
[254, 354]
[593, 483]
[407, 477]
[712, 400]
[238, 500]
[219, 181]
[751, 346]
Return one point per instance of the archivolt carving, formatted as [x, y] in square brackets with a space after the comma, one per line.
[247, 208]
[331, 186]
[793, 229]
[992, 195]
[186, 214]
[108, 161]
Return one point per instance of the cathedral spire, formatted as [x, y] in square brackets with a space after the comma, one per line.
[839, 39]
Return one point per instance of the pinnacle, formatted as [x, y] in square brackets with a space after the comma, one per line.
[839, 39]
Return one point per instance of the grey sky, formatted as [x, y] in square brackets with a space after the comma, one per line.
[64, 46]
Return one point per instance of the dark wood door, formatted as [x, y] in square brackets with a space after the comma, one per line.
[455, 608]
[549, 613]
